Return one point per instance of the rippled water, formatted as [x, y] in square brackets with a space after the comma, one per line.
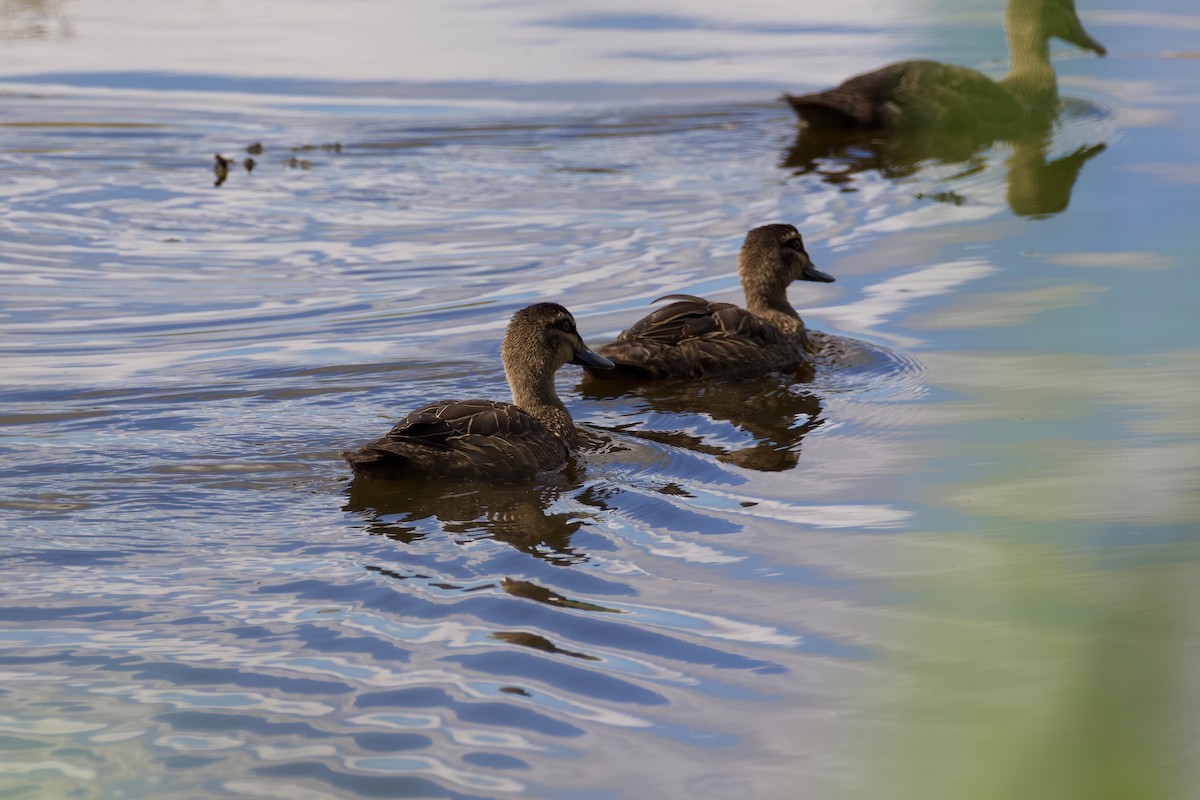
[724, 595]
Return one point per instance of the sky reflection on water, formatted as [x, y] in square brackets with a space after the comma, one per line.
[466, 40]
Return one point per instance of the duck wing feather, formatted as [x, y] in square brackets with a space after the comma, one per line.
[463, 439]
[693, 337]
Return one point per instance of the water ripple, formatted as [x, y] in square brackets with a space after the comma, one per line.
[199, 600]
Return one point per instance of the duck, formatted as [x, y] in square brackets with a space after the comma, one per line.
[487, 440]
[697, 338]
[930, 96]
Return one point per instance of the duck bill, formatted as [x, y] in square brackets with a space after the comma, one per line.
[1076, 35]
[811, 273]
[585, 357]
[1087, 43]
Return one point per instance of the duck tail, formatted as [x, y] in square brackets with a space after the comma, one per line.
[374, 462]
[825, 110]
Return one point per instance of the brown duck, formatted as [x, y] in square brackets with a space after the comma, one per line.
[484, 439]
[694, 338]
[926, 95]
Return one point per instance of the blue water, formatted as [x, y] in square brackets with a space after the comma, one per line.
[720, 596]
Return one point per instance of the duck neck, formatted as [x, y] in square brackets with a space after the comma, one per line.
[1030, 76]
[533, 391]
[766, 297]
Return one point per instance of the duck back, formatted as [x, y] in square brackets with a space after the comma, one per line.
[912, 95]
[462, 439]
[693, 338]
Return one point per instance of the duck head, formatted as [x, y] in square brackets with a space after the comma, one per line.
[540, 339]
[1062, 21]
[777, 249]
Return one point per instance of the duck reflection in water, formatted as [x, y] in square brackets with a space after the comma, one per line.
[903, 116]
[481, 452]
[518, 515]
[776, 413]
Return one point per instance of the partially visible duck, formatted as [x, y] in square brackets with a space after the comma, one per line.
[693, 337]
[926, 95]
[485, 439]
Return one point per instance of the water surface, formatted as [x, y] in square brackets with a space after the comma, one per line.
[934, 546]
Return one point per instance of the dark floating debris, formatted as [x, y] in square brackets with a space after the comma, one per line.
[222, 165]
[532, 591]
[221, 168]
[533, 640]
[953, 198]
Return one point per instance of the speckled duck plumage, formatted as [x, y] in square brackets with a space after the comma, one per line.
[485, 439]
[693, 337]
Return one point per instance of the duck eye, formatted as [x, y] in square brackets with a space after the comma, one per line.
[564, 325]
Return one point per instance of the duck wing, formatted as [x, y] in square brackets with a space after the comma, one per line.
[693, 337]
[858, 102]
[463, 439]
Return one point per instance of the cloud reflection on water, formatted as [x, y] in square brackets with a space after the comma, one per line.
[465, 40]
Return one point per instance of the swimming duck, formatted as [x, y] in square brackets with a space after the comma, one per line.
[484, 439]
[693, 337]
[926, 95]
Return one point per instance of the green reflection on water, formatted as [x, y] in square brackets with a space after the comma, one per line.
[1045, 644]
[1043, 653]
[1027, 674]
